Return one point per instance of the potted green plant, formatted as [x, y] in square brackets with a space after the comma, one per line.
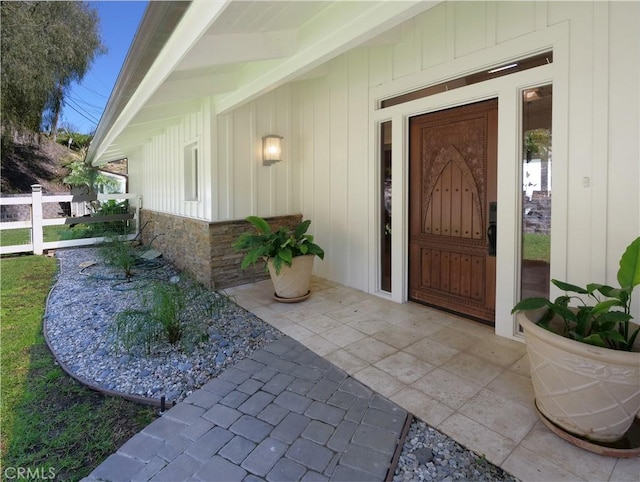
[288, 255]
[584, 354]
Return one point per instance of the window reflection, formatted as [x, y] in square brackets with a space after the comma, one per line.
[536, 191]
[385, 219]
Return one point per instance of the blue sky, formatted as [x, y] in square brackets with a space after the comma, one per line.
[118, 25]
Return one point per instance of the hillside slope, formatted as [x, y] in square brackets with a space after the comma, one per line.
[24, 164]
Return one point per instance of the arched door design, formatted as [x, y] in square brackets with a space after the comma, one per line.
[452, 181]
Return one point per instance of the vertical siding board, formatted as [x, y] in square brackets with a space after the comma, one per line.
[197, 134]
[252, 150]
[227, 167]
[150, 201]
[163, 145]
[195, 206]
[433, 25]
[513, 19]
[338, 119]
[243, 195]
[209, 163]
[159, 165]
[404, 53]
[294, 148]
[322, 174]
[623, 168]
[167, 153]
[380, 65]
[470, 27]
[262, 124]
[360, 165]
[174, 169]
[181, 139]
[581, 160]
[171, 152]
[490, 34]
[308, 141]
[172, 140]
[153, 169]
[281, 180]
[222, 172]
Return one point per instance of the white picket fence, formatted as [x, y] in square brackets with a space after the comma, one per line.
[38, 222]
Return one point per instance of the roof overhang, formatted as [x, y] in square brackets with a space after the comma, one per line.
[230, 51]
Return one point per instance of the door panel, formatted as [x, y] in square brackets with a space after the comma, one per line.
[452, 180]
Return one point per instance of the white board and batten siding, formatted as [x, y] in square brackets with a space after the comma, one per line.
[158, 168]
[329, 171]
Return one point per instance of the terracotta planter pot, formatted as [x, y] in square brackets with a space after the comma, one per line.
[589, 391]
[293, 281]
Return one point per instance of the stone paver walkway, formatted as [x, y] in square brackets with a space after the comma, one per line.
[284, 413]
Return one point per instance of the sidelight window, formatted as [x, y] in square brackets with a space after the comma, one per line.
[536, 191]
[385, 208]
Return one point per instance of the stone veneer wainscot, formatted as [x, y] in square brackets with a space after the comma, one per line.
[204, 249]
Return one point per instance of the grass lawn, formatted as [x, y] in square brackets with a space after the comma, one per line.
[12, 237]
[537, 247]
[50, 423]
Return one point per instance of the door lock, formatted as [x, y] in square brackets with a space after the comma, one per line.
[492, 229]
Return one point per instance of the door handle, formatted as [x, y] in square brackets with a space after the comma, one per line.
[492, 230]
[492, 236]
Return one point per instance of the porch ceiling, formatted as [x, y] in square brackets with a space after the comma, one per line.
[230, 51]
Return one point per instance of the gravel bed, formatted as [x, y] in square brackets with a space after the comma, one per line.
[80, 315]
[80, 318]
[428, 455]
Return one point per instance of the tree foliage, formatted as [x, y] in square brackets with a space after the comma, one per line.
[46, 46]
[85, 175]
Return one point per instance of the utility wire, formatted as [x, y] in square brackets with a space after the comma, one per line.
[93, 91]
[79, 100]
[93, 121]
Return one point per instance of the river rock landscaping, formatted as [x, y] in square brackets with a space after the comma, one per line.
[80, 321]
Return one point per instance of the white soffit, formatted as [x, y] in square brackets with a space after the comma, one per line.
[233, 51]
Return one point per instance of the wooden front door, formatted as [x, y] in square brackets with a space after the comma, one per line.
[452, 182]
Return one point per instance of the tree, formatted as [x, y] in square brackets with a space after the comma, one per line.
[46, 46]
[84, 175]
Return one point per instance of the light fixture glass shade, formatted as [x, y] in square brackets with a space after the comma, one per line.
[271, 149]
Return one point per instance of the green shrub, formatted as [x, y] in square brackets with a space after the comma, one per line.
[119, 254]
[107, 228]
[173, 313]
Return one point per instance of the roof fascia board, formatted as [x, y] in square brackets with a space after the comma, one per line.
[320, 41]
[148, 40]
[194, 22]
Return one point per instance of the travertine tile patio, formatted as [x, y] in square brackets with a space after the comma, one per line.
[453, 373]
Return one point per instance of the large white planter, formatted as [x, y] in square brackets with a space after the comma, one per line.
[294, 281]
[588, 391]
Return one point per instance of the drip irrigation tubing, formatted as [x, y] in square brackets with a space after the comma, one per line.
[142, 270]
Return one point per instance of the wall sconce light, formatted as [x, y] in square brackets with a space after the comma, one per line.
[271, 149]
